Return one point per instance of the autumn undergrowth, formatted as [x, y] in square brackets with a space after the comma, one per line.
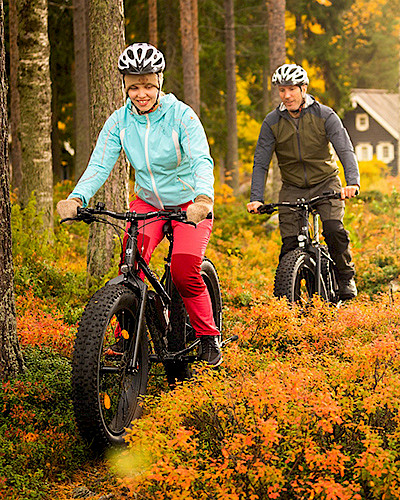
[305, 405]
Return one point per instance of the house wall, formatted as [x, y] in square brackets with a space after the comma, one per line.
[373, 135]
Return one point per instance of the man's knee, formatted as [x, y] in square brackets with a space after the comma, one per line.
[336, 236]
[289, 243]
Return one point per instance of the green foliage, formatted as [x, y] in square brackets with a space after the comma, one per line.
[38, 438]
[40, 264]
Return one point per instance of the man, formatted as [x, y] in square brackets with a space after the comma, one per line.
[300, 131]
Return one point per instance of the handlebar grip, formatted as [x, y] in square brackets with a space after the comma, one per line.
[266, 209]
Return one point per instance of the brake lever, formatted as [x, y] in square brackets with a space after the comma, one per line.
[266, 209]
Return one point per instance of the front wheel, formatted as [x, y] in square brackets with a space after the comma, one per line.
[295, 277]
[106, 386]
[181, 332]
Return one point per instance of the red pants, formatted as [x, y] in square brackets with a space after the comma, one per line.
[188, 251]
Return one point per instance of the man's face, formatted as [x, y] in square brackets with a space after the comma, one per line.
[292, 96]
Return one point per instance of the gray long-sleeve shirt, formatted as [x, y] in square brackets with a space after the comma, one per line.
[303, 148]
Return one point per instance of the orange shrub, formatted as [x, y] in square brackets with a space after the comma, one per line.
[306, 406]
[39, 324]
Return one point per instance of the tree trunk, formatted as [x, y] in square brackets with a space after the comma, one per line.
[232, 157]
[191, 90]
[195, 34]
[15, 114]
[153, 37]
[81, 78]
[34, 86]
[11, 362]
[107, 41]
[277, 57]
[171, 38]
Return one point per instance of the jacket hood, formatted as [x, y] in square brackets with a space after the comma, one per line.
[308, 101]
[166, 101]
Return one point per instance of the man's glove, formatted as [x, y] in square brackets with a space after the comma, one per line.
[199, 210]
[68, 208]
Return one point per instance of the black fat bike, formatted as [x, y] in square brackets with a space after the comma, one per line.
[148, 325]
[308, 269]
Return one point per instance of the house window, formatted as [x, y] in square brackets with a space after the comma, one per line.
[385, 152]
[362, 122]
[364, 151]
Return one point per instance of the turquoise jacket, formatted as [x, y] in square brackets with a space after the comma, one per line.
[167, 148]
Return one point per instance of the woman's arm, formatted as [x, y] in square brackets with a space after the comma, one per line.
[102, 161]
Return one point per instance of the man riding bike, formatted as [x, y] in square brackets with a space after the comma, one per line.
[300, 131]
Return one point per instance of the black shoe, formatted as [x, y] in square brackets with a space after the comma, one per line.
[347, 288]
[210, 351]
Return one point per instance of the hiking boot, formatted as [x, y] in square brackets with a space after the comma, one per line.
[210, 350]
[347, 288]
[116, 349]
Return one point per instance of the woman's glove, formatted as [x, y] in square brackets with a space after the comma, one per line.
[199, 210]
[69, 208]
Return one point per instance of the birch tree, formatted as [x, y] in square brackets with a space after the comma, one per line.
[34, 87]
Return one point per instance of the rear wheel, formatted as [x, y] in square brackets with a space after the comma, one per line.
[295, 277]
[106, 386]
[181, 333]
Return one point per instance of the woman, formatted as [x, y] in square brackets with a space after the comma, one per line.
[166, 145]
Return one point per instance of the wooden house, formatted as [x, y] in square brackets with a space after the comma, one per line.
[373, 125]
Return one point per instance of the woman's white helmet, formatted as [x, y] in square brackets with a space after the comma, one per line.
[290, 74]
[141, 59]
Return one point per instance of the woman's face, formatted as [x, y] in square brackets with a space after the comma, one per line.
[142, 90]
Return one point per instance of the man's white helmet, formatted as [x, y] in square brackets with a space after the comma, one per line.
[290, 74]
[141, 59]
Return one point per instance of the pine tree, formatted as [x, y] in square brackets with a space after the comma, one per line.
[106, 44]
[11, 362]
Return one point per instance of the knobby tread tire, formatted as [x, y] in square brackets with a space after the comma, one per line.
[288, 271]
[86, 361]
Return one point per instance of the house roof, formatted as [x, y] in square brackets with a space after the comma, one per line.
[381, 105]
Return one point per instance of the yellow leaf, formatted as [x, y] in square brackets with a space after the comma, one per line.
[125, 334]
[107, 402]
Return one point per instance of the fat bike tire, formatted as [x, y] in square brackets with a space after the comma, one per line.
[295, 278]
[181, 333]
[107, 389]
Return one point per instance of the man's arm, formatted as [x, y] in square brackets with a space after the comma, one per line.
[338, 136]
[262, 157]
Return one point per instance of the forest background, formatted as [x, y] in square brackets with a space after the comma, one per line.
[306, 406]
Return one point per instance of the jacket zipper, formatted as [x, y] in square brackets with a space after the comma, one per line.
[146, 150]
[300, 156]
[186, 184]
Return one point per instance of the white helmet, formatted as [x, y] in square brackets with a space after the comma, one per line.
[141, 59]
[290, 74]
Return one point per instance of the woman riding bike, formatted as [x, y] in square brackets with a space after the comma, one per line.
[166, 145]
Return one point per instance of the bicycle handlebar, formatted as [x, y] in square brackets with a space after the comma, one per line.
[270, 208]
[88, 215]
